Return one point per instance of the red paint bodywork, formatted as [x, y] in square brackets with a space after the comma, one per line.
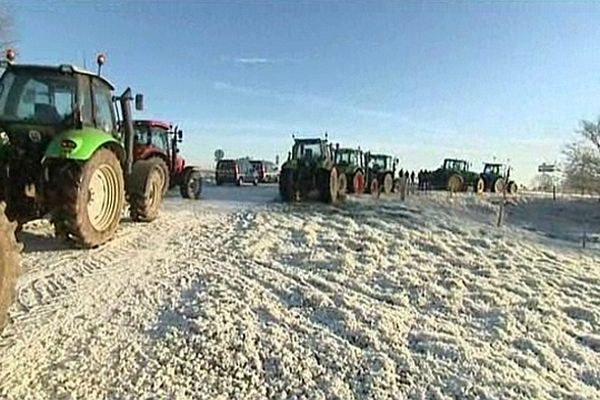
[145, 151]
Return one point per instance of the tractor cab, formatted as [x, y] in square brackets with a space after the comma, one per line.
[493, 169]
[347, 157]
[455, 165]
[380, 162]
[37, 102]
[311, 150]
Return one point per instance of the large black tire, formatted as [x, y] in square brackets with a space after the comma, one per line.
[9, 264]
[512, 187]
[286, 186]
[164, 169]
[387, 183]
[358, 183]
[145, 191]
[328, 185]
[455, 183]
[93, 196]
[191, 187]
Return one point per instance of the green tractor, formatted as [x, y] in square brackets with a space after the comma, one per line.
[380, 173]
[310, 172]
[454, 176]
[494, 178]
[349, 163]
[9, 264]
[62, 154]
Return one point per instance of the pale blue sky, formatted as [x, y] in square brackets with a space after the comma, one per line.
[420, 79]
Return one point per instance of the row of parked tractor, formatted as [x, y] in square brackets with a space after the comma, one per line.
[317, 169]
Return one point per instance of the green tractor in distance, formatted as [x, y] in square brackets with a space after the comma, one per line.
[9, 264]
[349, 163]
[63, 155]
[494, 179]
[454, 176]
[310, 172]
[380, 173]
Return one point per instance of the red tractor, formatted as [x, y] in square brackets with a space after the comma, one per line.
[159, 140]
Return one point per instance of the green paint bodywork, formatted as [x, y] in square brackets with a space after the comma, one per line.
[87, 141]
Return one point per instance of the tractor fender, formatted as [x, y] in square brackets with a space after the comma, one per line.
[81, 144]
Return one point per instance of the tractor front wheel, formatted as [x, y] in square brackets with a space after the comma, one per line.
[455, 183]
[93, 200]
[342, 185]
[512, 188]
[286, 185]
[191, 187]
[374, 187]
[388, 183]
[9, 264]
[358, 183]
[498, 186]
[480, 186]
[145, 191]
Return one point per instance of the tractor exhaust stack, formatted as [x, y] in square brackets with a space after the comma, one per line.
[125, 101]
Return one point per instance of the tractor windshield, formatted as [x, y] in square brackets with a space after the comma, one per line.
[492, 169]
[378, 162]
[37, 97]
[346, 158]
[151, 136]
[455, 165]
[308, 151]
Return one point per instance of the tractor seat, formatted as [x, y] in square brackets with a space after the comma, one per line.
[46, 113]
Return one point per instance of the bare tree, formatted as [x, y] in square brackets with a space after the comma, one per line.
[581, 170]
[542, 183]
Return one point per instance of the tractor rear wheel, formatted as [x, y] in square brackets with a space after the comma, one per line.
[328, 185]
[358, 182]
[455, 183]
[374, 187]
[191, 187]
[145, 191]
[93, 200]
[512, 188]
[498, 186]
[9, 264]
[164, 169]
[286, 185]
[388, 183]
[480, 186]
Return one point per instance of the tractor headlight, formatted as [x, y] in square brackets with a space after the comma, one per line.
[3, 138]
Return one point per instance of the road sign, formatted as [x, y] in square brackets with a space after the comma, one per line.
[219, 154]
[547, 168]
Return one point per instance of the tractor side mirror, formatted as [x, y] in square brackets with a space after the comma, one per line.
[139, 102]
[289, 155]
[180, 135]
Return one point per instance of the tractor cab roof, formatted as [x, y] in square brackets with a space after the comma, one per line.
[494, 164]
[379, 155]
[455, 160]
[347, 150]
[152, 123]
[310, 141]
[63, 68]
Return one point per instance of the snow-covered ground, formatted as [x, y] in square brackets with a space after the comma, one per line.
[238, 296]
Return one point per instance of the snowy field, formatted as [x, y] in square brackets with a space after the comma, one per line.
[240, 297]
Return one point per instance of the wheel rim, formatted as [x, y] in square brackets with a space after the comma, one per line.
[388, 184]
[480, 186]
[454, 184]
[333, 184]
[374, 186]
[499, 185]
[359, 183]
[156, 186]
[103, 198]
